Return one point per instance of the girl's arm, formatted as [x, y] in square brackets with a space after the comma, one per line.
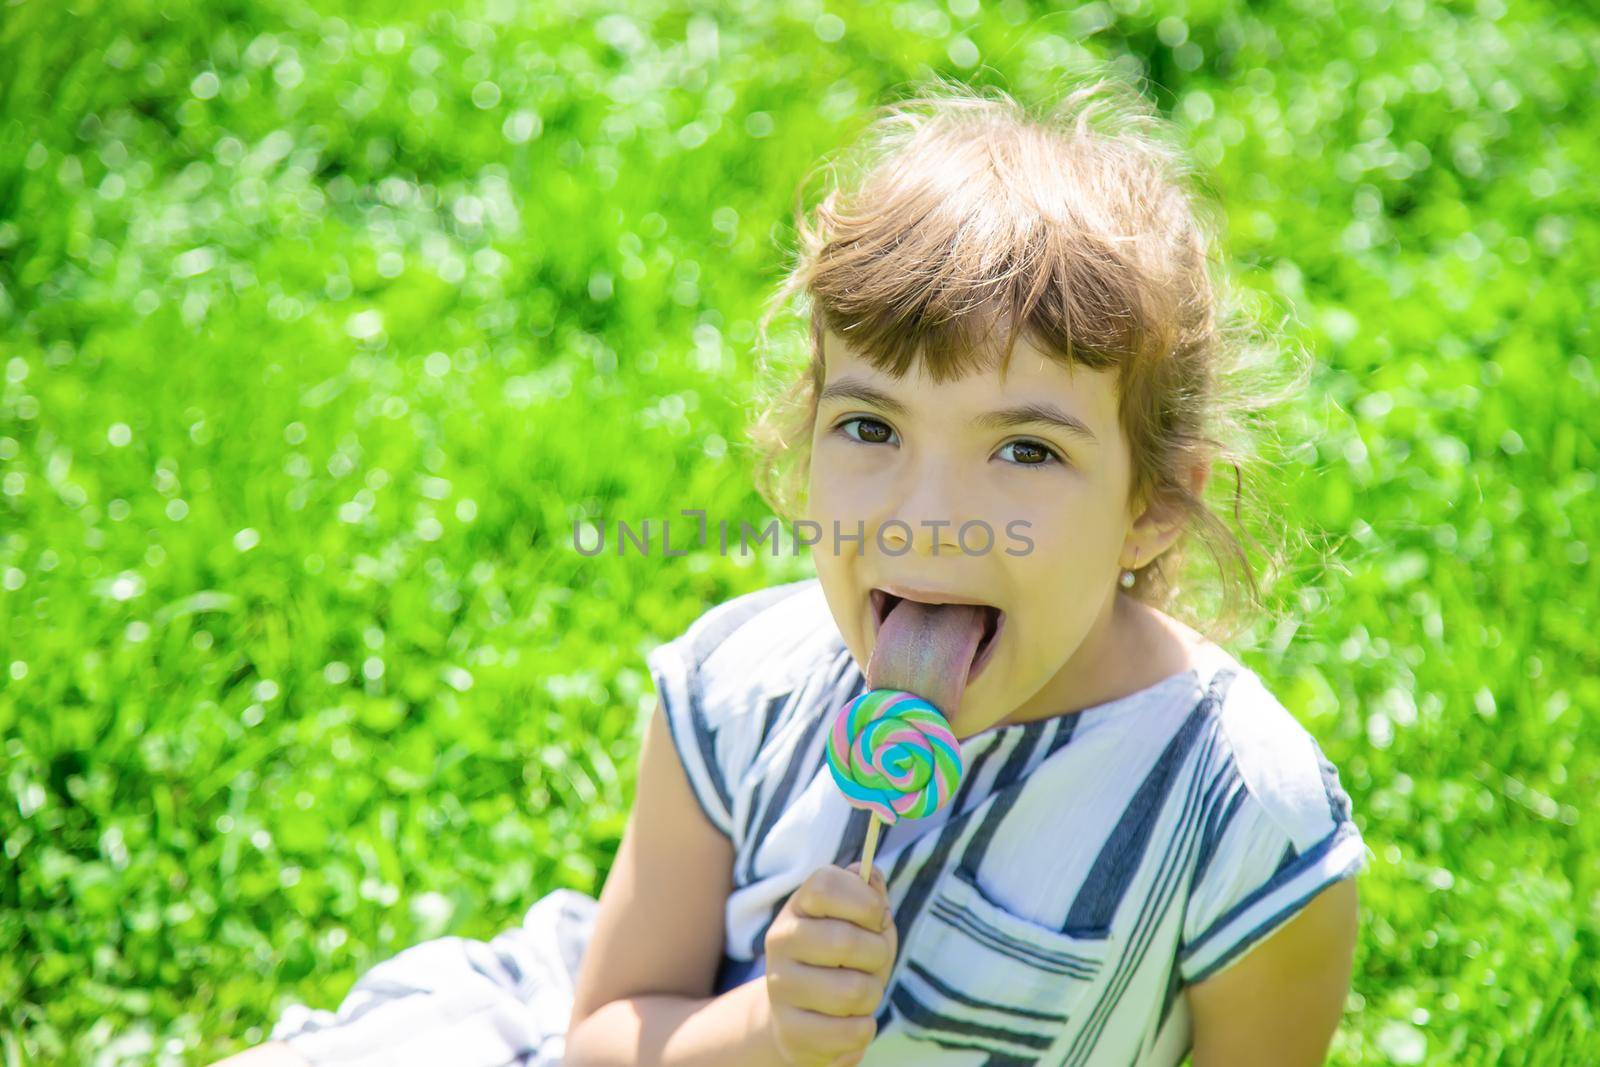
[1280, 1003]
[643, 993]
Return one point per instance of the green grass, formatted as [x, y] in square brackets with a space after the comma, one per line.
[318, 331]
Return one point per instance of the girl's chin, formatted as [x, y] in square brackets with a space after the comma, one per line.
[969, 718]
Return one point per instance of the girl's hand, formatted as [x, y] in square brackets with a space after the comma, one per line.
[829, 954]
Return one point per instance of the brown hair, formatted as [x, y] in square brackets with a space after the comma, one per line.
[960, 213]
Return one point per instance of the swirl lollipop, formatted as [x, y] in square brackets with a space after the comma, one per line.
[892, 753]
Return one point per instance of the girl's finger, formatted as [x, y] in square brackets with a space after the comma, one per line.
[835, 893]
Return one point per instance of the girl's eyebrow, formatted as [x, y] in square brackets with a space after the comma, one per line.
[848, 388]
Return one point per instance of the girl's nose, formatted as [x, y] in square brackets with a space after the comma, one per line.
[923, 518]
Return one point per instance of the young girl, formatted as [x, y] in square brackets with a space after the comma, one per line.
[1015, 394]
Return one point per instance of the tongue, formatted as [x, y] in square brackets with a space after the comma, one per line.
[927, 649]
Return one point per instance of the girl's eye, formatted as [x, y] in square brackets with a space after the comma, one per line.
[873, 437]
[1046, 455]
[876, 432]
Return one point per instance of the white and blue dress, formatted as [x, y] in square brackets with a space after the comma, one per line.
[1089, 867]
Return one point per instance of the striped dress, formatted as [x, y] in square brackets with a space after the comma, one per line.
[1089, 867]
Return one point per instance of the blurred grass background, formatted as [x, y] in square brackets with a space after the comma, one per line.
[322, 324]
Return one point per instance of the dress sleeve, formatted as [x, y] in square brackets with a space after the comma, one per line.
[711, 680]
[1279, 840]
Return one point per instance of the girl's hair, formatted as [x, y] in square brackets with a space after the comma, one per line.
[961, 213]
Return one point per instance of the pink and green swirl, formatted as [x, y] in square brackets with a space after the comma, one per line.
[892, 753]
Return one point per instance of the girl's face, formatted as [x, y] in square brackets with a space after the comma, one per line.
[1054, 496]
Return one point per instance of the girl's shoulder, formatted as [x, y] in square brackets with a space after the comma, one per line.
[763, 641]
[1277, 759]
[737, 675]
[1281, 831]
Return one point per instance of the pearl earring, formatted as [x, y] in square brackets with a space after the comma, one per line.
[1127, 575]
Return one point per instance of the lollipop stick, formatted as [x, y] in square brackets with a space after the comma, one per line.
[869, 849]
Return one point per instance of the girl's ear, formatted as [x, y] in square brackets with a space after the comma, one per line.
[1154, 531]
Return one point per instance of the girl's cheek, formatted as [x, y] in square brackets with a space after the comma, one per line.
[842, 485]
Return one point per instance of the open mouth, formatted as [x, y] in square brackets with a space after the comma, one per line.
[993, 622]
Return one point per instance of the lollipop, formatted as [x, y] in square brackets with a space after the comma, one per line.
[892, 753]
